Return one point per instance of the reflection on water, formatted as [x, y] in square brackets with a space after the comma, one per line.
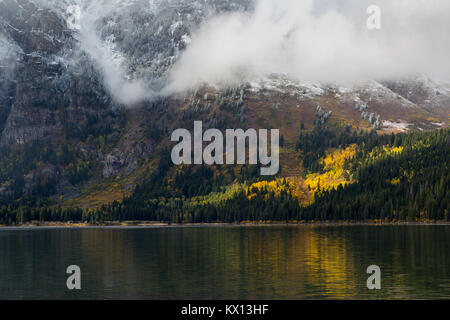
[265, 262]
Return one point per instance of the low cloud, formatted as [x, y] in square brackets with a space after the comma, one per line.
[111, 63]
[317, 41]
[309, 40]
[8, 50]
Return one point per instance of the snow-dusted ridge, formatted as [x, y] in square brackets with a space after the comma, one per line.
[135, 44]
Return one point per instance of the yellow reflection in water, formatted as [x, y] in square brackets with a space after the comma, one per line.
[330, 264]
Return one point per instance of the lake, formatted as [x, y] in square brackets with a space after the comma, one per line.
[226, 262]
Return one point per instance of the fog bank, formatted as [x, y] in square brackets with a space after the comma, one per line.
[318, 41]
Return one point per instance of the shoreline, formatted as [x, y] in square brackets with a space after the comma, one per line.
[153, 224]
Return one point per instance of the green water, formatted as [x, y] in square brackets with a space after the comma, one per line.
[221, 262]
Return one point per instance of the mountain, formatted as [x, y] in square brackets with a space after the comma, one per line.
[73, 133]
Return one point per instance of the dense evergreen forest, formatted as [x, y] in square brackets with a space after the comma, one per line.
[402, 177]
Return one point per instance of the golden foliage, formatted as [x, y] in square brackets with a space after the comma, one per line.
[379, 153]
[276, 187]
[334, 174]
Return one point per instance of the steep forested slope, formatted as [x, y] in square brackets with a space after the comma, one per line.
[74, 136]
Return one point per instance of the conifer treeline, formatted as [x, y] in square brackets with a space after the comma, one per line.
[411, 185]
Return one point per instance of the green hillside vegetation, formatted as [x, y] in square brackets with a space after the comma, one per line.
[358, 177]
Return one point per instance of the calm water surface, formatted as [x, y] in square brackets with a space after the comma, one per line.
[265, 262]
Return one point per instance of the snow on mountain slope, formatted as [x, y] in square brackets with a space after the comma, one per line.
[89, 73]
[135, 40]
[135, 43]
[433, 95]
[129, 46]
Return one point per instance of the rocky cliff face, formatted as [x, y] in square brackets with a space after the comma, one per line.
[48, 92]
[53, 89]
[37, 37]
[49, 83]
